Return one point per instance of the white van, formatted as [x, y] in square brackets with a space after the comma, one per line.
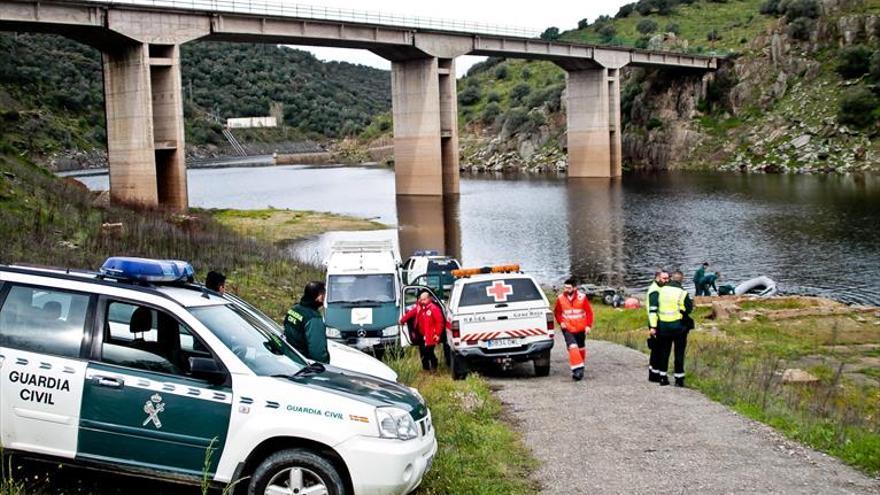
[362, 304]
[135, 370]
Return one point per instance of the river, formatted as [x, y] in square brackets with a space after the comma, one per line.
[812, 234]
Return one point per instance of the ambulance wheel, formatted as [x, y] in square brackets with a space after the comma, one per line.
[296, 471]
[542, 365]
[458, 366]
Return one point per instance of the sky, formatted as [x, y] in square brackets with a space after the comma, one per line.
[537, 16]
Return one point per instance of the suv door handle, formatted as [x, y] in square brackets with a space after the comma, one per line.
[108, 381]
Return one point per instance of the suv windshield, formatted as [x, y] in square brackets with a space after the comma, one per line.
[499, 291]
[264, 352]
[435, 266]
[361, 288]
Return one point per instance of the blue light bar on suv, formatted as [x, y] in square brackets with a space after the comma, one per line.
[147, 270]
[426, 252]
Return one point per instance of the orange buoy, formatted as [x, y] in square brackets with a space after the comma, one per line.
[631, 303]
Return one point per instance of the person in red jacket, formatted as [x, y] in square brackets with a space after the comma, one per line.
[428, 325]
[575, 316]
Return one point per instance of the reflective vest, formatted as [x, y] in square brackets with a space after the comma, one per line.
[671, 306]
[576, 314]
[654, 287]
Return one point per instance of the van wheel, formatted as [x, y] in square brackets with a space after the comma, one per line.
[295, 471]
[458, 366]
[542, 365]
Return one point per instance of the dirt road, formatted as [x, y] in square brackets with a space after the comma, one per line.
[616, 433]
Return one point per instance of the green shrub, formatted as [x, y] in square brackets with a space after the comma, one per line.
[515, 119]
[501, 72]
[469, 96]
[646, 26]
[770, 7]
[874, 66]
[858, 107]
[491, 112]
[493, 97]
[520, 91]
[550, 34]
[794, 9]
[801, 28]
[642, 43]
[625, 11]
[525, 73]
[853, 62]
[643, 7]
[607, 32]
[713, 35]
[583, 24]
[673, 28]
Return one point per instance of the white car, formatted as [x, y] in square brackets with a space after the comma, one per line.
[497, 315]
[341, 356]
[191, 376]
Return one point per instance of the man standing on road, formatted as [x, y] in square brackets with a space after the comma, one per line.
[575, 316]
[668, 308]
[661, 278]
[698, 278]
[304, 326]
[428, 322]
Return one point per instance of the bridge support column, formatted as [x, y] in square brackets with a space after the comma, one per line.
[425, 126]
[145, 141]
[593, 112]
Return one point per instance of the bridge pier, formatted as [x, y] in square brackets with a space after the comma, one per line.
[424, 106]
[145, 130]
[593, 114]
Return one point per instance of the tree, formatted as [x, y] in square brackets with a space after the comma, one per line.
[644, 7]
[550, 34]
[673, 28]
[625, 11]
[801, 28]
[501, 72]
[607, 33]
[794, 9]
[853, 62]
[646, 26]
[858, 107]
[469, 96]
[491, 112]
[493, 96]
[583, 23]
[520, 91]
[770, 7]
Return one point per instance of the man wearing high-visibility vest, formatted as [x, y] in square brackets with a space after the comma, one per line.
[661, 278]
[575, 316]
[667, 310]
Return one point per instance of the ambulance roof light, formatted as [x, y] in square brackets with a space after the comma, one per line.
[427, 252]
[147, 270]
[467, 272]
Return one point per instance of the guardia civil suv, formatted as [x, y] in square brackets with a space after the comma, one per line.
[135, 369]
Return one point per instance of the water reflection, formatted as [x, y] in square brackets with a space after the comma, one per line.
[429, 222]
[595, 230]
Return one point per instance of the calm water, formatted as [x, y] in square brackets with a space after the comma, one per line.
[813, 235]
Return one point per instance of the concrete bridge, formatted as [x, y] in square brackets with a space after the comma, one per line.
[140, 42]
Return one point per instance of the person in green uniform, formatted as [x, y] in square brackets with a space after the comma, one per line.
[698, 278]
[707, 283]
[304, 326]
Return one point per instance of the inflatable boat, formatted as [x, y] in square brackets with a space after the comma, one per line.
[759, 286]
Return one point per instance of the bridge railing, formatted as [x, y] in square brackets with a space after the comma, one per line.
[300, 11]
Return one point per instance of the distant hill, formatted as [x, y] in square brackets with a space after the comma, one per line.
[798, 91]
[51, 92]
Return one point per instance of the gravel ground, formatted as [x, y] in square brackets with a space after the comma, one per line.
[616, 433]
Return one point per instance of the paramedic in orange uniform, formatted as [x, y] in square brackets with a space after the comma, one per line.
[575, 317]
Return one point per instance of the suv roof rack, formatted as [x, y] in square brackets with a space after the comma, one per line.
[362, 246]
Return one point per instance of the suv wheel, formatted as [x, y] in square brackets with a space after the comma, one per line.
[542, 365]
[296, 472]
[458, 366]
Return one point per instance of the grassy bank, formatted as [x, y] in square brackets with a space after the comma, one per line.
[741, 363]
[274, 225]
[48, 221]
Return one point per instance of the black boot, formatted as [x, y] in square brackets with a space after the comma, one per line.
[577, 375]
[653, 376]
[679, 382]
[664, 381]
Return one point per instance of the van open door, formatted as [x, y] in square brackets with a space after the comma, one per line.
[409, 298]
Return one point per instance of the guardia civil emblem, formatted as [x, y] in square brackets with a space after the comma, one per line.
[153, 407]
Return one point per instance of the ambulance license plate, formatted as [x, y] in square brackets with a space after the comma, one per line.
[500, 343]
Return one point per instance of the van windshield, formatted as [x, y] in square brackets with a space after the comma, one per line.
[258, 347]
[373, 288]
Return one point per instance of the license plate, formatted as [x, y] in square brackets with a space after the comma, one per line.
[499, 343]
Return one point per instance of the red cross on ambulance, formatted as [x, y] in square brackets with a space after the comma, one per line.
[499, 291]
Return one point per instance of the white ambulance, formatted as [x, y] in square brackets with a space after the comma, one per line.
[497, 315]
[135, 370]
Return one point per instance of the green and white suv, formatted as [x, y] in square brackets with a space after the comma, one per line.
[135, 369]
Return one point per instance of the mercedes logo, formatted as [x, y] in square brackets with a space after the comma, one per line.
[362, 333]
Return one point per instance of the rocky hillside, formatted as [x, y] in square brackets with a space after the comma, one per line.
[51, 95]
[796, 91]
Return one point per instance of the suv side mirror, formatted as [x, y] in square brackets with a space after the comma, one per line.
[206, 369]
